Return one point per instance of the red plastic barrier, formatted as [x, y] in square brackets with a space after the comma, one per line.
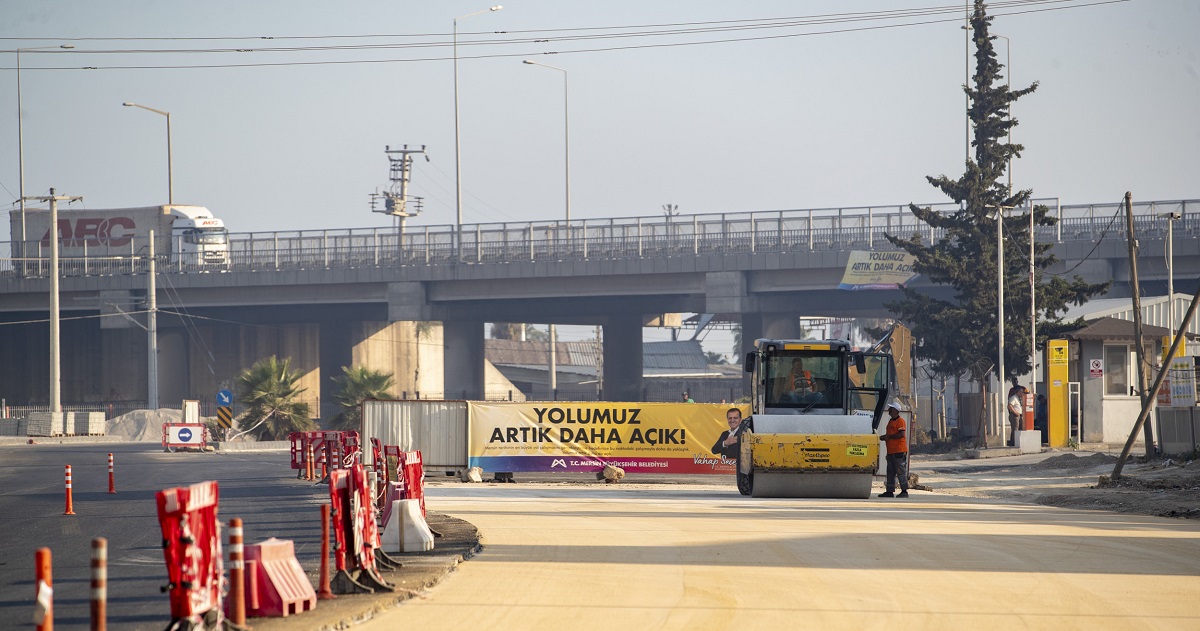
[192, 549]
[280, 586]
[351, 449]
[413, 477]
[355, 534]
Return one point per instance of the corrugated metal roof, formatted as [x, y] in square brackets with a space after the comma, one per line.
[682, 354]
[1109, 328]
[1155, 310]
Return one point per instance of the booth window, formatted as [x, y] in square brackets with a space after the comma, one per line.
[1117, 366]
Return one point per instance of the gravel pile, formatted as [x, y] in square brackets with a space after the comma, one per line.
[143, 425]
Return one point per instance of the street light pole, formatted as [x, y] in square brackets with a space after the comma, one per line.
[566, 137]
[1171, 217]
[170, 170]
[457, 159]
[21, 143]
[1000, 306]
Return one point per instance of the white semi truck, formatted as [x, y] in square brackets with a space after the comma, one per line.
[189, 235]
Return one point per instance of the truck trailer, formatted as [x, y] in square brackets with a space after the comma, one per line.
[189, 236]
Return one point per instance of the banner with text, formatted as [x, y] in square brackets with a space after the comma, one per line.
[581, 436]
[877, 270]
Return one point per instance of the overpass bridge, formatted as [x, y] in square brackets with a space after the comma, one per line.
[330, 298]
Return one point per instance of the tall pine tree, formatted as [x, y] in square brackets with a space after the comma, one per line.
[962, 334]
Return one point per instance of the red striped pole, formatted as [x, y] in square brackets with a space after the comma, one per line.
[311, 468]
[70, 504]
[112, 486]
[237, 574]
[325, 592]
[99, 583]
[43, 611]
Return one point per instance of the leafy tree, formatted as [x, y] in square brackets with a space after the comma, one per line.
[271, 398]
[357, 385]
[712, 357]
[511, 331]
[962, 334]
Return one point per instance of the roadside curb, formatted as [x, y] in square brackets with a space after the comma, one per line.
[271, 445]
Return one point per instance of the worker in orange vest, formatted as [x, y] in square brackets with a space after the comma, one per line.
[896, 440]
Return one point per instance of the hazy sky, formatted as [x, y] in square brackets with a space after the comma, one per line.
[799, 118]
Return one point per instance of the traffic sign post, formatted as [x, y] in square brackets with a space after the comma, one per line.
[225, 408]
[183, 436]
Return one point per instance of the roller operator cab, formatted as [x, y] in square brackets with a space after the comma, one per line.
[814, 426]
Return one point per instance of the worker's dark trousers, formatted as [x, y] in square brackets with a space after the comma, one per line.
[897, 465]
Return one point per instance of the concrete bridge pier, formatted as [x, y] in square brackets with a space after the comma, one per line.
[623, 357]
[463, 359]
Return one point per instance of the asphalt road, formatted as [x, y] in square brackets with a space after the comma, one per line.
[703, 557]
[260, 488]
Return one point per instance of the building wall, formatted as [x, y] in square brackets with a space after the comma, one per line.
[1106, 418]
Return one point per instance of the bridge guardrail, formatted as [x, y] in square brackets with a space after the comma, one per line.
[602, 239]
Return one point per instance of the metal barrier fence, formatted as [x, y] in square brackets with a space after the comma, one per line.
[836, 229]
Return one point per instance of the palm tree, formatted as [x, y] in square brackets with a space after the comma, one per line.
[271, 400]
[357, 385]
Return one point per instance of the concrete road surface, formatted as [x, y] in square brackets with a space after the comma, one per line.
[703, 557]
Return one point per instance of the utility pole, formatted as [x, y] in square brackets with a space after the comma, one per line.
[1140, 350]
[395, 199]
[151, 330]
[55, 354]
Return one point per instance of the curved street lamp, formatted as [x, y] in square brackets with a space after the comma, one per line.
[21, 137]
[457, 161]
[566, 136]
[170, 175]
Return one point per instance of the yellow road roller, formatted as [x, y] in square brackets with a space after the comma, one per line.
[814, 427]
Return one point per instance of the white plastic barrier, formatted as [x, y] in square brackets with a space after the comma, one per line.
[407, 531]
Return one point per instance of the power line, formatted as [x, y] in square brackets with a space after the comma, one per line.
[726, 26]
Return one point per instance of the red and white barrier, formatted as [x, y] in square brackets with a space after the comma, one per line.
[192, 550]
[355, 533]
[413, 477]
[112, 485]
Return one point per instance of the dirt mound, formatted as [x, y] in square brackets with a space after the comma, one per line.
[143, 425]
[1073, 462]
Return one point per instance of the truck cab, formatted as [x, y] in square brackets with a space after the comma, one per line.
[198, 238]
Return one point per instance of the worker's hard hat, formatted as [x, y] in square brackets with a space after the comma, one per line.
[895, 406]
